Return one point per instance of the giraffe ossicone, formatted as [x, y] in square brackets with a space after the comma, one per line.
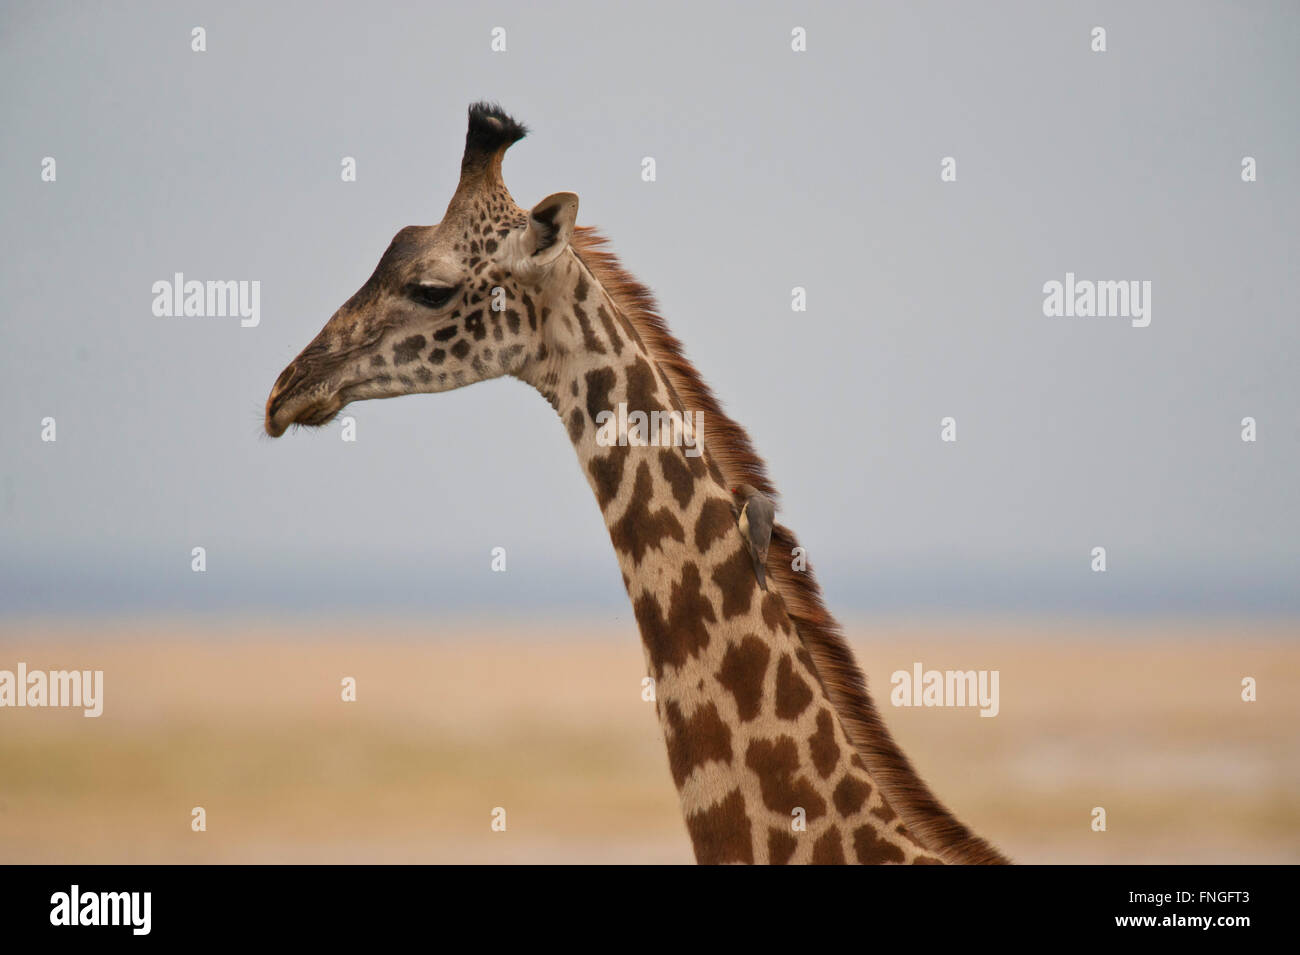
[775, 746]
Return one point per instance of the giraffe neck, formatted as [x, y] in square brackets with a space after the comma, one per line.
[762, 763]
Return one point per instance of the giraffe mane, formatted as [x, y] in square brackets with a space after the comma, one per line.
[732, 450]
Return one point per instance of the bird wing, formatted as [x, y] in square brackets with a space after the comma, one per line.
[756, 523]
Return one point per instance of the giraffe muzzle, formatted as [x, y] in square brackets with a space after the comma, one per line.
[311, 409]
[302, 396]
[312, 399]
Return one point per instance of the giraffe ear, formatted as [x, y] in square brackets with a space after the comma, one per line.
[550, 227]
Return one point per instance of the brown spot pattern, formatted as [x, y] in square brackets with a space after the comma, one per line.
[884, 813]
[600, 381]
[684, 633]
[610, 331]
[695, 741]
[641, 387]
[576, 424]
[775, 762]
[677, 475]
[850, 794]
[720, 833]
[780, 846]
[774, 614]
[735, 576]
[638, 529]
[589, 339]
[803, 656]
[741, 673]
[873, 850]
[408, 350]
[829, 848]
[607, 475]
[714, 522]
[792, 693]
[825, 751]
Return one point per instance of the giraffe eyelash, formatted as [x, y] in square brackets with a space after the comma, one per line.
[430, 296]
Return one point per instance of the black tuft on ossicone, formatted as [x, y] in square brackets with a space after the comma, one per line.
[491, 131]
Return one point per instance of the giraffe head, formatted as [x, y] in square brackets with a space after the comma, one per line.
[448, 305]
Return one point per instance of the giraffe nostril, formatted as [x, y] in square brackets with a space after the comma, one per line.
[292, 375]
[276, 399]
[272, 407]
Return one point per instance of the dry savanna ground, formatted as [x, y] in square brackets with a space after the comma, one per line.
[453, 720]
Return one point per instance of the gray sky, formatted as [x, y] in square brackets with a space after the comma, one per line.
[775, 169]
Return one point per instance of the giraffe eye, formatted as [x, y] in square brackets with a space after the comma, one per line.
[431, 296]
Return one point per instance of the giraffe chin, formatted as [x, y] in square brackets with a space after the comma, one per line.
[317, 410]
[309, 414]
[312, 416]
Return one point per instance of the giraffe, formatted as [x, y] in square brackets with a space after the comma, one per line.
[774, 744]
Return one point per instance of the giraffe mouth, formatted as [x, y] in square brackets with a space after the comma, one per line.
[281, 414]
[317, 415]
[311, 409]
